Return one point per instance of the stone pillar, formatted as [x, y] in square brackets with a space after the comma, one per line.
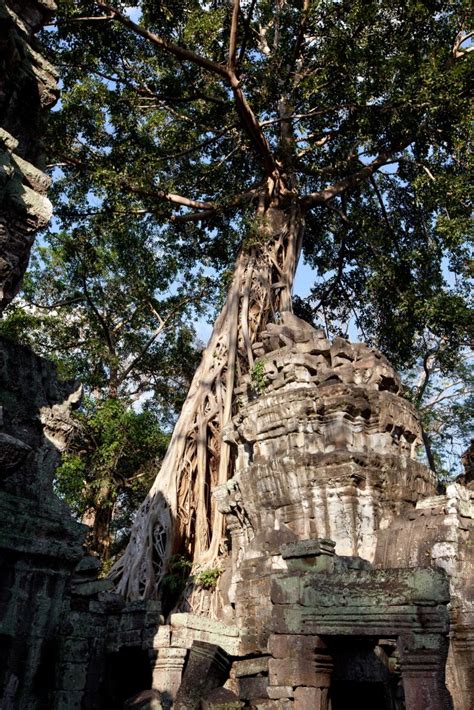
[422, 662]
[207, 668]
[302, 666]
[167, 671]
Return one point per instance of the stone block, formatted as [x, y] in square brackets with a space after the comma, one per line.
[161, 638]
[314, 698]
[131, 621]
[187, 627]
[92, 588]
[130, 638]
[292, 671]
[250, 688]
[207, 668]
[221, 699]
[285, 590]
[193, 621]
[88, 564]
[287, 645]
[69, 700]
[250, 666]
[73, 676]
[279, 692]
[307, 548]
[74, 648]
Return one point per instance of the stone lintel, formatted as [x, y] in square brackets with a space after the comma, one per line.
[307, 548]
[363, 588]
[380, 622]
[201, 623]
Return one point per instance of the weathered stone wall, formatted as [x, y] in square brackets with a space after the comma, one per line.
[439, 532]
[28, 85]
[65, 641]
[40, 543]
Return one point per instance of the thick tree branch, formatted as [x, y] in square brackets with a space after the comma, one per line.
[247, 30]
[299, 39]
[162, 43]
[193, 216]
[323, 196]
[252, 126]
[203, 215]
[247, 117]
[462, 37]
[233, 35]
[168, 197]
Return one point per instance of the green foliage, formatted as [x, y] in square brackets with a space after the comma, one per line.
[174, 581]
[364, 78]
[16, 325]
[257, 375]
[208, 578]
[110, 462]
[444, 396]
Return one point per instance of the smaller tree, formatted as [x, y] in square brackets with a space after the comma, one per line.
[109, 464]
[109, 308]
[441, 386]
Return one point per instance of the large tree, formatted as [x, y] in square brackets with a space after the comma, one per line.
[248, 132]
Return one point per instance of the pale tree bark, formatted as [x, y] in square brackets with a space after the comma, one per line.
[180, 508]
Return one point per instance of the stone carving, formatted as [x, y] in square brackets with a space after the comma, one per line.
[326, 472]
[35, 420]
[327, 449]
[28, 85]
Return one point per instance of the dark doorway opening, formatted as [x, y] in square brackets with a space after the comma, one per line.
[128, 672]
[366, 674]
[358, 694]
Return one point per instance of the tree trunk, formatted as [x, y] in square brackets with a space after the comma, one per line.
[179, 512]
[101, 534]
[99, 518]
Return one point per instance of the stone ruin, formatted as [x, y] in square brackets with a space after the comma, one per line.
[348, 578]
[28, 85]
[348, 581]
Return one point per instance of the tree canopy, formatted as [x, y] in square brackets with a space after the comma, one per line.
[156, 121]
[242, 134]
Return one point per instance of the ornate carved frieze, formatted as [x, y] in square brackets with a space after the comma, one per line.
[325, 444]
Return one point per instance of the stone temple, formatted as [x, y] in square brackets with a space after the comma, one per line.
[349, 579]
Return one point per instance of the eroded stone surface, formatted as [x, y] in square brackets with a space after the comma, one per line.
[326, 484]
[28, 86]
[439, 533]
[39, 542]
[328, 447]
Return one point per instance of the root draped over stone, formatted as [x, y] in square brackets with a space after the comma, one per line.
[179, 512]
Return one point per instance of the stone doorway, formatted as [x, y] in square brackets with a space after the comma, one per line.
[358, 694]
[366, 674]
[128, 672]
